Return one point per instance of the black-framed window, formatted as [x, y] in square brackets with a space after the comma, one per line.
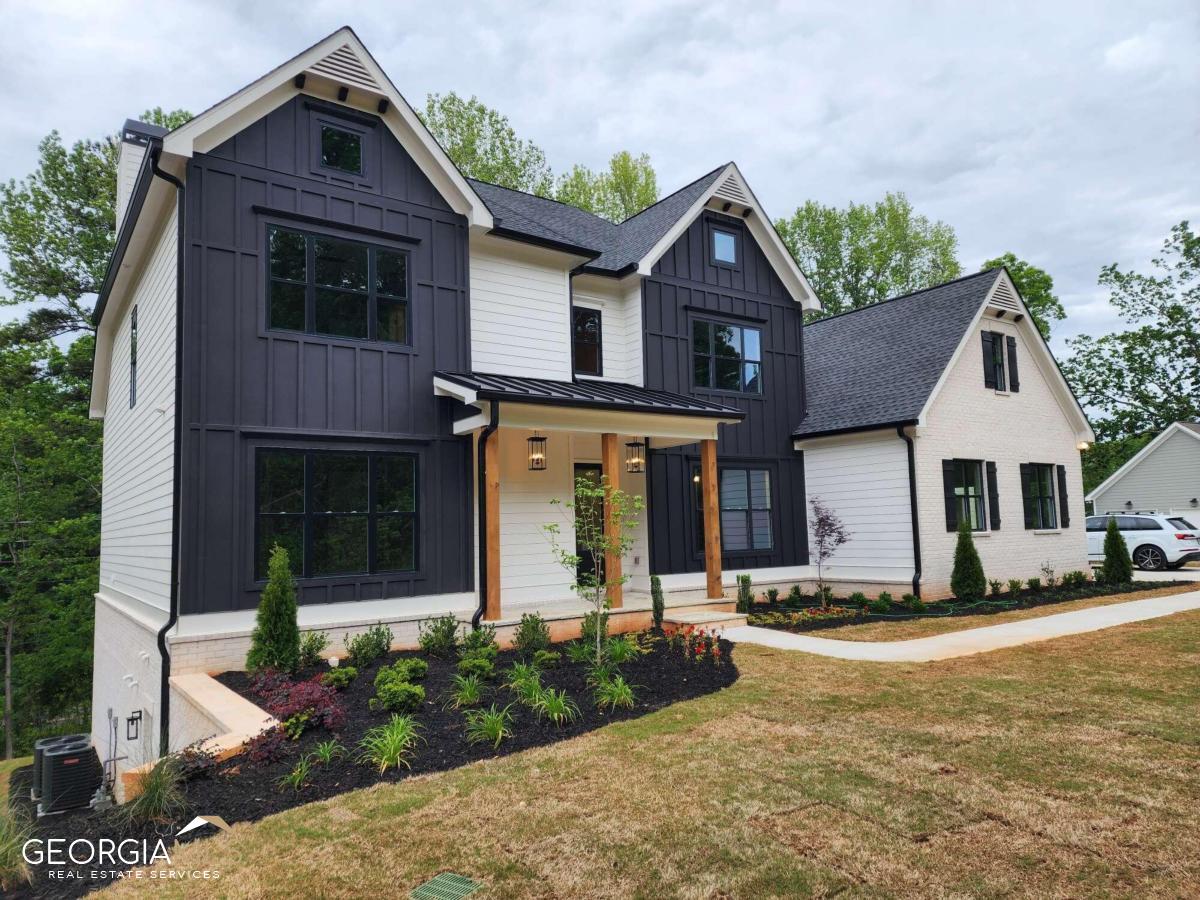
[998, 361]
[336, 513]
[968, 492]
[726, 357]
[133, 351]
[723, 246]
[341, 149]
[586, 337]
[1039, 497]
[744, 497]
[336, 287]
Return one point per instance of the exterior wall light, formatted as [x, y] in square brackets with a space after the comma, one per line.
[635, 457]
[1129, 504]
[537, 453]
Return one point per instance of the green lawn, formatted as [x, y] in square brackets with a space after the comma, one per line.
[6, 768]
[1067, 768]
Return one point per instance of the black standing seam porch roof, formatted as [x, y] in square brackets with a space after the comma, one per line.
[609, 395]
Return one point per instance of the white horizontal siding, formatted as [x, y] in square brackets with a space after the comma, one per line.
[1166, 479]
[865, 483]
[520, 316]
[129, 161]
[621, 327]
[135, 529]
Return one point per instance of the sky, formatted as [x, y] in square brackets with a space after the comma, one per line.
[1067, 133]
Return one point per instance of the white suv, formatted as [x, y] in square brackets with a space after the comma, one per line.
[1155, 541]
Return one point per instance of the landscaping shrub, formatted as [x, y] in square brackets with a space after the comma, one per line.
[363, 649]
[556, 706]
[547, 659]
[1118, 565]
[488, 726]
[587, 631]
[266, 746]
[327, 751]
[1035, 584]
[397, 696]
[1074, 579]
[479, 642]
[913, 602]
[477, 666]
[614, 693]
[745, 593]
[390, 746]
[408, 669]
[439, 636]
[579, 651]
[997, 586]
[466, 690]
[312, 643]
[525, 682]
[858, 598]
[275, 643]
[160, 796]
[881, 604]
[15, 830]
[657, 603]
[299, 705]
[1015, 585]
[967, 581]
[620, 650]
[532, 635]
[339, 679]
[795, 596]
[772, 595]
[1048, 574]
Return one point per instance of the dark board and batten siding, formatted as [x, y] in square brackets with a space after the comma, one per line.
[684, 285]
[246, 386]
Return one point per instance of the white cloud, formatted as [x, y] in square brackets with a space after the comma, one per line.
[1141, 51]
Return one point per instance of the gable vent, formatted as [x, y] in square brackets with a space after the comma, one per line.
[731, 189]
[1003, 297]
[342, 65]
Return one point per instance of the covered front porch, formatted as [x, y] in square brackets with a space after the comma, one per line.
[533, 438]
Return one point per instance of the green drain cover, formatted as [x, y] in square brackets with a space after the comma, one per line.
[446, 886]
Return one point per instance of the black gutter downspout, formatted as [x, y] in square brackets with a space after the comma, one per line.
[912, 506]
[484, 436]
[164, 727]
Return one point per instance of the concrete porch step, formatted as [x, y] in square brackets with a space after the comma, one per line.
[709, 621]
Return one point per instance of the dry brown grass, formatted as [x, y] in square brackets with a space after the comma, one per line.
[6, 769]
[1065, 768]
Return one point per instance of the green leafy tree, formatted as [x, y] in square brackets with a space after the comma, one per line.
[275, 643]
[1104, 457]
[483, 144]
[624, 190]
[1118, 566]
[1140, 380]
[967, 581]
[57, 229]
[865, 253]
[1036, 287]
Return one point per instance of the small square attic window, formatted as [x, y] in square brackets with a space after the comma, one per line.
[724, 247]
[341, 150]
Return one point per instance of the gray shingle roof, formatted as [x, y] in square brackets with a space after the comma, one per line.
[876, 366]
[618, 246]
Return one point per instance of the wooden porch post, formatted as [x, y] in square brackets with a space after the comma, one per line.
[712, 518]
[492, 524]
[610, 466]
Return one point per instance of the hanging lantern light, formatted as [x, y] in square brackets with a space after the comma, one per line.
[537, 453]
[635, 457]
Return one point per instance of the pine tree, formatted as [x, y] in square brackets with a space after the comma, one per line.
[656, 601]
[275, 643]
[1118, 567]
[967, 582]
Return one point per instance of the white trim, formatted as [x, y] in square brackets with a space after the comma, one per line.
[443, 387]
[1138, 457]
[760, 227]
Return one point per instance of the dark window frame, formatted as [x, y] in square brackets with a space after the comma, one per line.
[321, 115]
[750, 509]
[599, 342]
[1044, 506]
[133, 355]
[999, 364]
[311, 286]
[309, 514]
[712, 226]
[322, 128]
[970, 500]
[711, 357]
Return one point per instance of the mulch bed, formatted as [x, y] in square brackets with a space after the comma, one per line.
[810, 619]
[239, 790]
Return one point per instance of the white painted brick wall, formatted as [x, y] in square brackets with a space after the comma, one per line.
[125, 678]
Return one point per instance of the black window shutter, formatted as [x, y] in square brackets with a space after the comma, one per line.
[1014, 383]
[1026, 493]
[993, 497]
[989, 371]
[1064, 512]
[948, 490]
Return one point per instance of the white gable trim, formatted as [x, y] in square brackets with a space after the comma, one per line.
[1137, 458]
[340, 60]
[1000, 298]
[730, 186]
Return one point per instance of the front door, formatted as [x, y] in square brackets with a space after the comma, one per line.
[587, 563]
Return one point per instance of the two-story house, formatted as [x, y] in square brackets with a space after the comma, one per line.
[316, 333]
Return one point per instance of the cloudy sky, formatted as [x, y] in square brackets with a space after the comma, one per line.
[1065, 132]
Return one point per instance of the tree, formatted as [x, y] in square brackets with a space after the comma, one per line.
[603, 519]
[657, 604]
[627, 188]
[483, 144]
[828, 533]
[275, 643]
[1117, 567]
[1141, 380]
[58, 227]
[1036, 288]
[862, 254]
[967, 581]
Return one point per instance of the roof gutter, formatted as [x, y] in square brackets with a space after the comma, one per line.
[548, 243]
[878, 426]
[912, 507]
[164, 739]
[486, 434]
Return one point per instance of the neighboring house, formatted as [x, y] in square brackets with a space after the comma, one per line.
[953, 387]
[1163, 477]
[315, 332]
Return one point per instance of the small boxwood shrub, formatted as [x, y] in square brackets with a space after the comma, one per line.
[996, 586]
[1074, 579]
[312, 643]
[439, 636]
[397, 696]
[532, 635]
[881, 604]
[339, 679]
[1015, 585]
[1035, 584]
[795, 596]
[363, 649]
[482, 668]
[479, 642]
[858, 598]
[772, 595]
[587, 631]
[913, 602]
[403, 670]
[547, 659]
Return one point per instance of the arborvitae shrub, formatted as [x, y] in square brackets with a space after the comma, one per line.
[1118, 566]
[657, 604]
[967, 581]
[275, 643]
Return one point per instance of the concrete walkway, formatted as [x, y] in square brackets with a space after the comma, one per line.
[973, 640]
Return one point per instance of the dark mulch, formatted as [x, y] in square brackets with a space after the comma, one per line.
[1025, 599]
[240, 790]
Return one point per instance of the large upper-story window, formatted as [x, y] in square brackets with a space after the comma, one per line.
[745, 503]
[336, 513]
[586, 337]
[726, 357]
[335, 287]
